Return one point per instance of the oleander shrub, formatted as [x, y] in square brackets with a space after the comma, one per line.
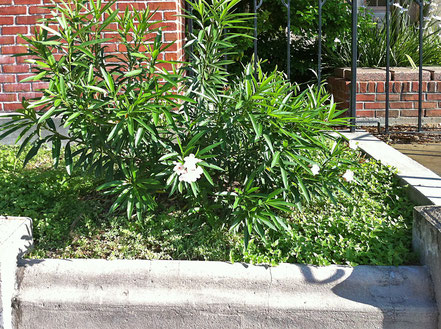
[242, 151]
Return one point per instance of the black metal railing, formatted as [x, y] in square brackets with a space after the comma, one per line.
[353, 98]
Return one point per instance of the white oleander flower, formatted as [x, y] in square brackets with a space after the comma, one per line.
[179, 168]
[191, 161]
[348, 175]
[337, 40]
[191, 176]
[353, 144]
[315, 169]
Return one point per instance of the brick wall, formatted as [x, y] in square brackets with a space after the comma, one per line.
[403, 97]
[19, 17]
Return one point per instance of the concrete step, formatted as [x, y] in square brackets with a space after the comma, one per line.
[91, 294]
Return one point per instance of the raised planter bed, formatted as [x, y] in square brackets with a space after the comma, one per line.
[183, 294]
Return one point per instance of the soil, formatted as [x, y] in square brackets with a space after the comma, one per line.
[404, 134]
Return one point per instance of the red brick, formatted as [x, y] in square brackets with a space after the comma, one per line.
[174, 36]
[26, 20]
[7, 40]
[28, 2]
[392, 97]
[415, 86]
[406, 86]
[409, 97]
[392, 114]
[380, 87]
[29, 95]
[433, 113]
[163, 6]
[4, 59]
[16, 68]
[173, 57]
[17, 87]
[375, 105]
[428, 105]
[7, 78]
[365, 114]
[12, 106]
[431, 86]
[6, 20]
[401, 105]
[365, 97]
[435, 97]
[409, 113]
[14, 30]
[13, 49]
[23, 76]
[40, 85]
[396, 87]
[136, 5]
[371, 87]
[8, 97]
[14, 10]
[38, 10]
[5, 2]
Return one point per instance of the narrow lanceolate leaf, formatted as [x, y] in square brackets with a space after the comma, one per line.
[68, 159]
[133, 73]
[32, 152]
[47, 114]
[268, 142]
[209, 148]
[276, 159]
[168, 156]
[255, 125]
[98, 89]
[207, 176]
[115, 130]
[56, 148]
[284, 177]
[139, 135]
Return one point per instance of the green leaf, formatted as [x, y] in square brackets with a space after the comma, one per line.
[168, 156]
[68, 158]
[98, 89]
[276, 159]
[209, 148]
[133, 73]
[268, 141]
[284, 178]
[207, 176]
[138, 137]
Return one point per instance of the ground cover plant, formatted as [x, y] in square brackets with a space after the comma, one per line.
[208, 150]
[71, 220]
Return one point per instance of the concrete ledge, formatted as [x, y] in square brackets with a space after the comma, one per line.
[183, 294]
[425, 185]
[426, 242]
[15, 239]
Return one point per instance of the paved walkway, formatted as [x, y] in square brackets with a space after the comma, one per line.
[429, 155]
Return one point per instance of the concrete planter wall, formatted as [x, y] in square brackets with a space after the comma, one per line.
[92, 294]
